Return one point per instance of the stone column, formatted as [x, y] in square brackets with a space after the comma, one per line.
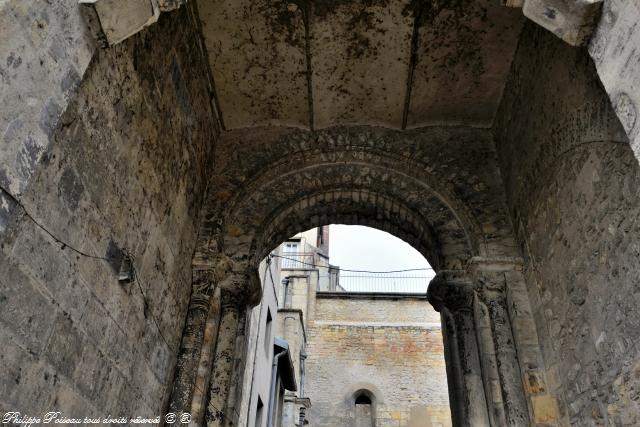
[455, 382]
[203, 375]
[453, 298]
[238, 366]
[499, 351]
[500, 285]
[489, 363]
[191, 345]
[221, 375]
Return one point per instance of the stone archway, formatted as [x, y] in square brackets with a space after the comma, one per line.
[152, 143]
[434, 197]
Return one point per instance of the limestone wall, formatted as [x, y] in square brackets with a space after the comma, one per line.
[351, 347]
[124, 173]
[614, 49]
[572, 187]
[372, 311]
[44, 52]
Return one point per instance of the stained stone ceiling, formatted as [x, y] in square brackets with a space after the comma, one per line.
[393, 63]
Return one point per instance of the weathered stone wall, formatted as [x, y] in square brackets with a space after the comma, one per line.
[44, 52]
[614, 49]
[400, 360]
[376, 310]
[439, 189]
[572, 186]
[125, 172]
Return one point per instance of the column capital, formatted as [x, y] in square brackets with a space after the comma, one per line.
[245, 286]
[451, 290]
[235, 275]
[202, 288]
[491, 274]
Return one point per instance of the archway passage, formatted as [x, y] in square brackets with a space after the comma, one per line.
[279, 181]
[118, 162]
[360, 355]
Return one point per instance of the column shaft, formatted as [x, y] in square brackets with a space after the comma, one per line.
[235, 384]
[489, 363]
[191, 344]
[508, 366]
[455, 382]
[223, 364]
[454, 300]
[475, 400]
[203, 375]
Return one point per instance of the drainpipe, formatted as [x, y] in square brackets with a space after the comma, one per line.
[274, 382]
[303, 357]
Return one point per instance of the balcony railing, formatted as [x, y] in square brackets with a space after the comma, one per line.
[333, 279]
[394, 282]
[298, 260]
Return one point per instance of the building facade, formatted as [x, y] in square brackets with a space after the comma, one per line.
[376, 360]
[267, 369]
[360, 359]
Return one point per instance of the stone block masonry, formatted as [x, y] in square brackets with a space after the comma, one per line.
[123, 173]
[44, 53]
[392, 348]
[572, 187]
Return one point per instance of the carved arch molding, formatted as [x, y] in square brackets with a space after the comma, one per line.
[437, 188]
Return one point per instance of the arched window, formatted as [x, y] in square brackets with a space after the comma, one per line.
[364, 410]
[363, 400]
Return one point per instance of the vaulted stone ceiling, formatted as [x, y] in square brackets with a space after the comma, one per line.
[393, 63]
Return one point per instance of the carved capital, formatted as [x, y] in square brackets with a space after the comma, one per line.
[202, 288]
[491, 275]
[243, 288]
[451, 292]
[490, 293]
[231, 300]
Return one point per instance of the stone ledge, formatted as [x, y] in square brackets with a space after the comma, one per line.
[114, 21]
[573, 21]
[120, 19]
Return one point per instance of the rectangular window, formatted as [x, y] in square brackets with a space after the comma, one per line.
[290, 254]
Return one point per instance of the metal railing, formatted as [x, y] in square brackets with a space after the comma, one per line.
[394, 282]
[298, 260]
[334, 279]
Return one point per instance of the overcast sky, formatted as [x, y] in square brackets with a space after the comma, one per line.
[363, 248]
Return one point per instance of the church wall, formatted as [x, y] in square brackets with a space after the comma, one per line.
[392, 348]
[124, 173]
[572, 187]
